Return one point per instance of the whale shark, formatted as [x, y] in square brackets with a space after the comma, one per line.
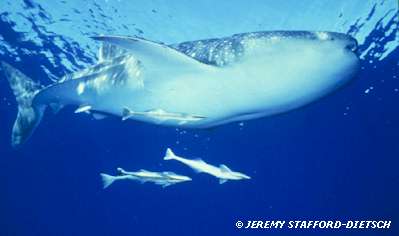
[195, 84]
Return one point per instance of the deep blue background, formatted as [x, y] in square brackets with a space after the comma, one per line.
[312, 163]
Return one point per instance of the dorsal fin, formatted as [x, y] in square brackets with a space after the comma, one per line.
[108, 51]
[224, 168]
[154, 54]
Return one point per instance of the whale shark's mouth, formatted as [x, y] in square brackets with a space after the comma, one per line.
[349, 42]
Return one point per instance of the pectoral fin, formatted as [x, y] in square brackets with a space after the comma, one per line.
[166, 185]
[126, 113]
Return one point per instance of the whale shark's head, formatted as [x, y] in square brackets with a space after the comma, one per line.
[330, 56]
[297, 67]
[298, 47]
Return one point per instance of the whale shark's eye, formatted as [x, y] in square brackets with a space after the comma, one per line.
[352, 46]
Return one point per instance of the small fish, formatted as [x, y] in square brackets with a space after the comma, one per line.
[83, 108]
[222, 172]
[164, 179]
[161, 115]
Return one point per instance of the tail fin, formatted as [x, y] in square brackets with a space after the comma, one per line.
[29, 116]
[107, 180]
[169, 155]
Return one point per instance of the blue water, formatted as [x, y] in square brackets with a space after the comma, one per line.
[336, 159]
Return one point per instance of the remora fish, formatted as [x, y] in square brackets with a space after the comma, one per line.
[242, 77]
[222, 172]
[161, 115]
[164, 179]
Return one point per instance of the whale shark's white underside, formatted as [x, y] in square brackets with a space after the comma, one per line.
[196, 84]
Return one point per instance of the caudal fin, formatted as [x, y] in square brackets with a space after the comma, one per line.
[107, 180]
[169, 155]
[29, 116]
